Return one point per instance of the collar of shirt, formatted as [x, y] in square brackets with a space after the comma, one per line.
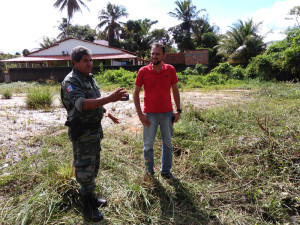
[163, 67]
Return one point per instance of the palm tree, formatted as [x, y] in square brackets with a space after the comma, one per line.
[63, 28]
[186, 12]
[200, 27]
[242, 42]
[72, 7]
[47, 42]
[109, 17]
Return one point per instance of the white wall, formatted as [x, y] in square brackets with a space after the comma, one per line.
[68, 45]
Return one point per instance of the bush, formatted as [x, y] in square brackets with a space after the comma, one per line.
[190, 71]
[238, 73]
[196, 81]
[229, 72]
[280, 61]
[262, 67]
[121, 77]
[223, 68]
[214, 78]
[7, 94]
[200, 68]
[38, 98]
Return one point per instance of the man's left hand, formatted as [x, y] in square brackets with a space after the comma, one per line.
[113, 118]
[177, 117]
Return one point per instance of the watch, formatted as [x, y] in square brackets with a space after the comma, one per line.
[179, 110]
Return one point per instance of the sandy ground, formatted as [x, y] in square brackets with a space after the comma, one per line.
[19, 126]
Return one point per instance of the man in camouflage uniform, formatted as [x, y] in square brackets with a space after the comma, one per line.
[84, 104]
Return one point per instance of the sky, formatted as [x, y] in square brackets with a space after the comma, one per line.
[24, 23]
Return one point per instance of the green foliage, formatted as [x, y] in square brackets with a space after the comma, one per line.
[229, 72]
[201, 69]
[241, 42]
[121, 77]
[190, 71]
[138, 38]
[262, 67]
[39, 98]
[280, 61]
[223, 68]
[7, 94]
[81, 32]
[7, 56]
[238, 73]
[215, 78]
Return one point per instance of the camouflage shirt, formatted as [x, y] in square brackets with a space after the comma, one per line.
[76, 87]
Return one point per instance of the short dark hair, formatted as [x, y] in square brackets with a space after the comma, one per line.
[78, 52]
[159, 45]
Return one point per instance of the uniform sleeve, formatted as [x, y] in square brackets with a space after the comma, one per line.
[139, 78]
[74, 93]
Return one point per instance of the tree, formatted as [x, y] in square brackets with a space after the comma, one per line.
[47, 42]
[162, 36]
[137, 37]
[25, 52]
[82, 32]
[108, 17]
[241, 42]
[294, 12]
[63, 28]
[201, 27]
[72, 7]
[188, 14]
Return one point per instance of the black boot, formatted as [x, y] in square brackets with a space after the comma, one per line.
[89, 210]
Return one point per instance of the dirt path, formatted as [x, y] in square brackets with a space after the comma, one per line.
[19, 126]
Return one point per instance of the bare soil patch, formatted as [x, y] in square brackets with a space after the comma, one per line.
[20, 126]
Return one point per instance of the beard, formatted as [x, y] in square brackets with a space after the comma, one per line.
[156, 63]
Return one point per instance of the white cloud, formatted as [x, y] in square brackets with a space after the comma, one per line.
[274, 20]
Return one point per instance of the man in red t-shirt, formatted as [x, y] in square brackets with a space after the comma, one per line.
[157, 78]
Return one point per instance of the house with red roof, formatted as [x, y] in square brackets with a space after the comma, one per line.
[58, 55]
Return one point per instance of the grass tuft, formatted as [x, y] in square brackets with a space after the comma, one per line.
[39, 98]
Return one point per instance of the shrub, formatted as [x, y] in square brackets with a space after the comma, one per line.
[223, 68]
[200, 68]
[190, 71]
[121, 77]
[229, 72]
[214, 78]
[38, 98]
[262, 67]
[7, 94]
[196, 81]
[238, 73]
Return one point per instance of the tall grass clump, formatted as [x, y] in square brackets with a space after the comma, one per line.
[7, 94]
[38, 98]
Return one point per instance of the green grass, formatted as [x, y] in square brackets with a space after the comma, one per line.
[7, 94]
[236, 164]
[39, 97]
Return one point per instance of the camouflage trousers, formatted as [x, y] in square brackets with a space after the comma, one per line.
[86, 163]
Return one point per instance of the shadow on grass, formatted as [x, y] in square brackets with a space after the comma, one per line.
[181, 206]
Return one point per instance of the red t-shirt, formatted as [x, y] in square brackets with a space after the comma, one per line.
[157, 85]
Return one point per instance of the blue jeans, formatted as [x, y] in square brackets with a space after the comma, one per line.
[149, 133]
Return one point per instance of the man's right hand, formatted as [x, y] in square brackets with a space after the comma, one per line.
[144, 119]
[118, 95]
